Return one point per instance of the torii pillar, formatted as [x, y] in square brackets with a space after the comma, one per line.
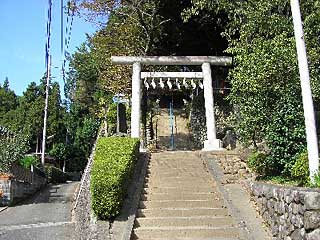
[212, 143]
[136, 100]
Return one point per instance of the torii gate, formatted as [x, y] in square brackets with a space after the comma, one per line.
[212, 143]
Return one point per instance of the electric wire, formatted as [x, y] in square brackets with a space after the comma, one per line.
[68, 34]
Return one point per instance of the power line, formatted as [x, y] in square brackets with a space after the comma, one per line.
[68, 33]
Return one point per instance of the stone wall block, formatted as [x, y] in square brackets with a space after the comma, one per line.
[297, 221]
[270, 207]
[282, 209]
[296, 196]
[296, 235]
[295, 208]
[314, 235]
[290, 209]
[288, 196]
[274, 230]
[312, 201]
[301, 196]
[257, 191]
[302, 209]
[264, 202]
[275, 193]
[311, 220]
[281, 194]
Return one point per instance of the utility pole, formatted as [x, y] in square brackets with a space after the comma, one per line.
[48, 62]
[46, 112]
[311, 131]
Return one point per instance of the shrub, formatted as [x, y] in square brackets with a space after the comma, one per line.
[27, 161]
[112, 168]
[286, 135]
[55, 175]
[300, 169]
[12, 149]
[316, 180]
[257, 162]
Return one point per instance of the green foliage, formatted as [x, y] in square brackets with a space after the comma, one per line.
[257, 162]
[316, 183]
[280, 180]
[59, 151]
[27, 161]
[112, 113]
[86, 134]
[8, 99]
[12, 149]
[55, 175]
[300, 169]
[27, 116]
[265, 80]
[285, 134]
[112, 168]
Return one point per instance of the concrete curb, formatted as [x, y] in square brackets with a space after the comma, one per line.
[123, 225]
[3, 208]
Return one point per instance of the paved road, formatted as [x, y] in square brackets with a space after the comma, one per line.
[46, 216]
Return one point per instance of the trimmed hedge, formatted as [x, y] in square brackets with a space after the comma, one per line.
[55, 175]
[114, 161]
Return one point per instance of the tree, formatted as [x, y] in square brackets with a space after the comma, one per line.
[265, 83]
[6, 84]
[8, 99]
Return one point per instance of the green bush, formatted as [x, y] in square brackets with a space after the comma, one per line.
[112, 168]
[316, 180]
[300, 169]
[27, 161]
[11, 150]
[55, 175]
[257, 162]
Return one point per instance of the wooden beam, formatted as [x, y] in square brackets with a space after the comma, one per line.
[171, 75]
[173, 60]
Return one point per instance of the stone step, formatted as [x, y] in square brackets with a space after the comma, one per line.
[185, 232]
[184, 222]
[180, 177]
[179, 196]
[184, 212]
[174, 169]
[165, 176]
[181, 204]
[180, 185]
[171, 190]
[175, 175]
[185, 238]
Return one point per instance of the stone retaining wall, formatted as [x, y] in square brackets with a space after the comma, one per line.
[291, 213]
[233, 167]
[12, 191]
[85, 221]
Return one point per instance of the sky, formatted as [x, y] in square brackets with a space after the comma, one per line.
[23, 38]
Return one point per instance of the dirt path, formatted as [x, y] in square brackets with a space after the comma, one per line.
[46, 216]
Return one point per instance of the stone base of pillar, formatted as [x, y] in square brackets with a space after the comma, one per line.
[213, 145]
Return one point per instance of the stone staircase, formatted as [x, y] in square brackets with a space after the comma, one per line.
[180, 201]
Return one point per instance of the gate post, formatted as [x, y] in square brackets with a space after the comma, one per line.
[212, 143]
[136, 100]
